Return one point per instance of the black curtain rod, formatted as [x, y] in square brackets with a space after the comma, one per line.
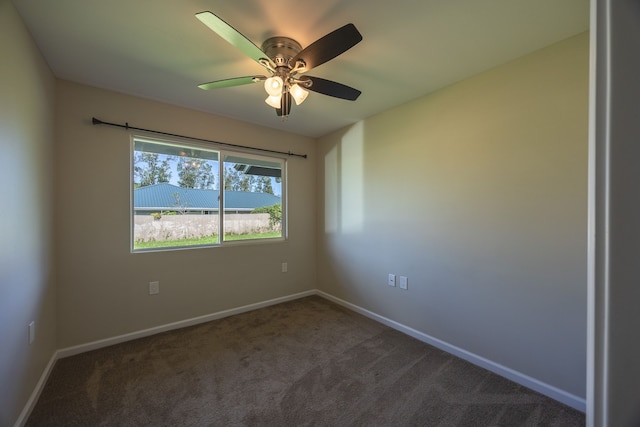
[126, 126]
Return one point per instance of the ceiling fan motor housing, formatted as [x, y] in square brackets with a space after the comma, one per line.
[281, 50]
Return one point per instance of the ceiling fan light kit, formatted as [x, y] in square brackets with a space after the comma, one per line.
[298, 94]
[286, 61]
[273, 86]
[273, 100]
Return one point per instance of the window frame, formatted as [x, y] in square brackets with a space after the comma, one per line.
[222, 153]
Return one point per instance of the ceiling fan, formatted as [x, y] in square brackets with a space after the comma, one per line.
[286, 61]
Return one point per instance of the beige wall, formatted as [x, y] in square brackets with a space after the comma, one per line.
[26, 141]
[477, 193]
[102, 287]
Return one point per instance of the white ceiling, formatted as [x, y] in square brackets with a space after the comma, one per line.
[159, 50]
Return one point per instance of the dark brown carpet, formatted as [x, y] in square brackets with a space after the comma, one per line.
[305, 362]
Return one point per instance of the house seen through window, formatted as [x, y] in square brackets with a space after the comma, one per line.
[189, 195]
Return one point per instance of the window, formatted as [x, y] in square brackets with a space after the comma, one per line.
[178, 190]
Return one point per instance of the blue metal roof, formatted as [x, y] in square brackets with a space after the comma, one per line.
[166, 196]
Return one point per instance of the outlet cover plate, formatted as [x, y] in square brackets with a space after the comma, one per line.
[32, 332]
[392, 280]
[154, 288]
[404, 282]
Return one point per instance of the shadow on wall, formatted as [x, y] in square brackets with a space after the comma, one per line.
[344, 184]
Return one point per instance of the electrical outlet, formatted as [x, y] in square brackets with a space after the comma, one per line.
[154, 288]
[32, 331]
[404, 282]
[392, 280]
[285, 267]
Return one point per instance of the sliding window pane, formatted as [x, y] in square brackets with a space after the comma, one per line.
[175, 196]
[253, 197]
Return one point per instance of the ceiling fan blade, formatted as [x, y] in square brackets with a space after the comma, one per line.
[236, 81]
[331, 88]
[328, 47]
[233, 36]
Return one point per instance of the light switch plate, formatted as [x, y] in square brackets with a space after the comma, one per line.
[404, 282]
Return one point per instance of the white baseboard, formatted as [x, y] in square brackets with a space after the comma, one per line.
[520, 378]
[31, 403]
[71, 351]
[555, 393]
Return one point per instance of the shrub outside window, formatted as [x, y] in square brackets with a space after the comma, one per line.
[178, 189]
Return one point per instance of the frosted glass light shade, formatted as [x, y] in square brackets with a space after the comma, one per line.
[273, 85]
[298, 94]
[273, 101]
